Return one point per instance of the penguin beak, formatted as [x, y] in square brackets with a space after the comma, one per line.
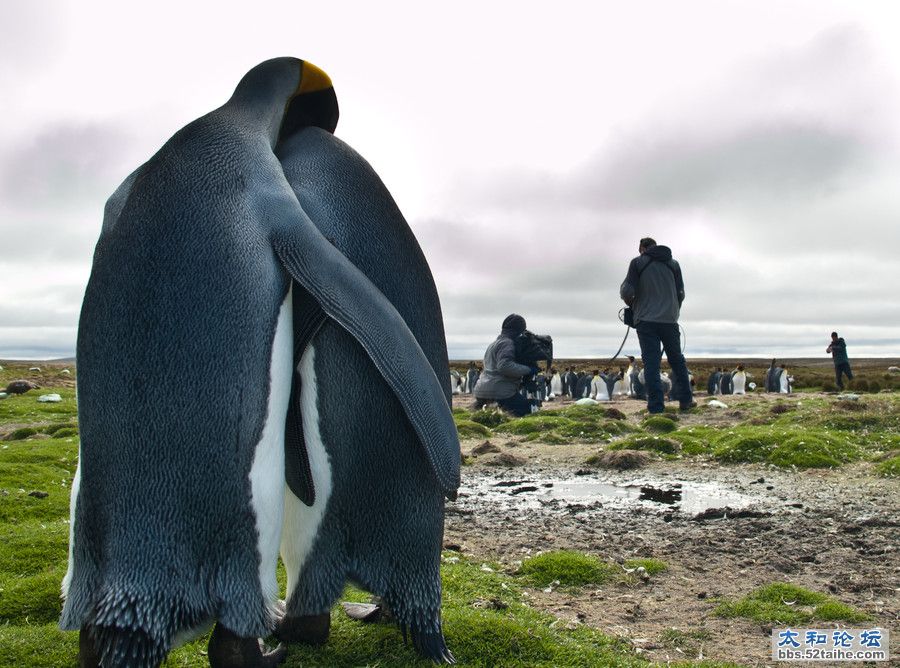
[314, 103]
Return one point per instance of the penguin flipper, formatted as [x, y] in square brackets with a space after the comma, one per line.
[349, 298]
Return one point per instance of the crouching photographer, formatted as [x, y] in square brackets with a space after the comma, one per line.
[502, 377]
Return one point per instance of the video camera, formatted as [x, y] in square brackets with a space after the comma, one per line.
[530, 349]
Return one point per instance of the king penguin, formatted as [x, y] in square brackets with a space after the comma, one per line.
[378, 516]
[178, 501]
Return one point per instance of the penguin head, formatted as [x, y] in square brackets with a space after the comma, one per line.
[313, 104]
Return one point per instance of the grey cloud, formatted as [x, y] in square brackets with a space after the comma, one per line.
[37, 342]
[49, 237]
[777, 160]
[64, 166]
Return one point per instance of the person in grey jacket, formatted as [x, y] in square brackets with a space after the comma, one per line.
[502, 375]
[654, 289]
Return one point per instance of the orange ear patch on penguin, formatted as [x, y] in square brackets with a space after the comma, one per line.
[314, 104]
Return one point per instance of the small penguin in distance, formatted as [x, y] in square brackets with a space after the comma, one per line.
[177, 503]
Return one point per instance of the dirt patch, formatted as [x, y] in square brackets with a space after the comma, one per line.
[834, 531]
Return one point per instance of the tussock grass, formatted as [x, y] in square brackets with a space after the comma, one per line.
[889, 467]
[784, 603]
[469, 429]
[568, 568]
[799, 447]
[660, 424]
[652, 566]
[536, 422]
[666, 446]
[489, 419]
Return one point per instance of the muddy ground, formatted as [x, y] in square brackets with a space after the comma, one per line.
[834, 531]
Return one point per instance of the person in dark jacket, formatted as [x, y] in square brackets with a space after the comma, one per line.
[838, 350]
[654, 289]
[502, 376]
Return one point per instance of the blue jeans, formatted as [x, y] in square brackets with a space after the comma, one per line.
[655, 337]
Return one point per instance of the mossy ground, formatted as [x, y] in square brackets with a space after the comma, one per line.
[798, 432]
[486, 619]
[784, 603]
[566, 568]
[889, 467]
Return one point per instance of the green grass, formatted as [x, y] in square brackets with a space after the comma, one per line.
[785, 447]
[660, 424]
[567, 568]
[784, 603]
[658, 444]
[469, 429]
[26, 409]
[889, 467]
[652, 566]
[689, 642]
[487, 621]
[573, 424]
[489, 419]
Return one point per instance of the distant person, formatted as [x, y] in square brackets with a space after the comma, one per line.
[654, 289]
[838, 350]
[739, 379]
[502, 376]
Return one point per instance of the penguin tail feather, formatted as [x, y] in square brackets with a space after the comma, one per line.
[131, 648]
[432, 645]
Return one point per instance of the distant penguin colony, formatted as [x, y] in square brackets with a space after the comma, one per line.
[259, 270]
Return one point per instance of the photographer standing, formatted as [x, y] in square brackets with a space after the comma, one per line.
[654, 289]
[502, 375]
[838, 350]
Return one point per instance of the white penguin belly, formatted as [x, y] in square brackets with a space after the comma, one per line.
[267, 472]
[301, 522]
[76, 484]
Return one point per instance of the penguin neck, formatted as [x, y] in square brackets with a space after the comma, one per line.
[262, 105]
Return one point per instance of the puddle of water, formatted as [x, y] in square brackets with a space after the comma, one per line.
[688, 497]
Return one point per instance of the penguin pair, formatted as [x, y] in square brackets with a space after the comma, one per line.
[263, 253]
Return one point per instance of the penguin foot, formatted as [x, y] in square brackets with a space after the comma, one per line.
[362, 612]
[229, 650]
[431, 646]
[306, 629]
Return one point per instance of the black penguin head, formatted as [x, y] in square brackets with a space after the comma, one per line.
[313, 104]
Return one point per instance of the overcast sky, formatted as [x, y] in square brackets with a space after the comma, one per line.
[530, 145]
